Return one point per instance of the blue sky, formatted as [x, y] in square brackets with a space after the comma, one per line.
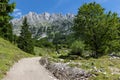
[60, 6]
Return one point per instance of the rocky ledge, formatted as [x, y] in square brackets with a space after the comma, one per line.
[64, 72]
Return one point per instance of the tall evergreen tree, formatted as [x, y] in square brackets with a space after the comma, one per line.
[98, 30]
[25, 41]
[5, 26]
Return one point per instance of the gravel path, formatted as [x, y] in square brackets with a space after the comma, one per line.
[28, 69]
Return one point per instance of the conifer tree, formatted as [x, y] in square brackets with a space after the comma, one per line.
[25, 41]
[5, 26]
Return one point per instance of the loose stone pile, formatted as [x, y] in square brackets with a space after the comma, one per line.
[64, 72]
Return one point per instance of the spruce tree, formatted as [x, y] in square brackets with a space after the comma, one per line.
[25, 41]
[5, 26]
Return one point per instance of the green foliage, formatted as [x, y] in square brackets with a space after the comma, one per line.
[98, 30]
[5, 26]
[45, 52]
[103, 68]
[43, 43]
[15, 38]
[77, 48]
[69, 39]
[58, 34]
[25, 42]
[57, 40]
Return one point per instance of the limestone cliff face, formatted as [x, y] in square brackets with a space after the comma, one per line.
[42, 24]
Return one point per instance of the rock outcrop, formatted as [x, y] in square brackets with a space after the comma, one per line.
[64, 72]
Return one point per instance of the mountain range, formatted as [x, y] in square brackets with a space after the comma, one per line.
[43, 24]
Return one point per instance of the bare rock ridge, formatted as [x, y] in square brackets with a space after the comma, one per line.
[41, 23]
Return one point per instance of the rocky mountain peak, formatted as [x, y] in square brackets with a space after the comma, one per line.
[39, 23]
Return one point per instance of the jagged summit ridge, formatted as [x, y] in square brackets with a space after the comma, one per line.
[38, 21]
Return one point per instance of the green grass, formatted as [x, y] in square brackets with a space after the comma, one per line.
[43, 51]
[9, 54]
[102, 64]
[100, 67]
[46, 52]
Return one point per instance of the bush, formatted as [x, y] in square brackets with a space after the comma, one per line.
[43, 43]
[77, 48]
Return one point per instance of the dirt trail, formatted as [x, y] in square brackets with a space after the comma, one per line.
[28, 69]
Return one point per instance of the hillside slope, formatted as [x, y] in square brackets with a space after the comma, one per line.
[9, 54]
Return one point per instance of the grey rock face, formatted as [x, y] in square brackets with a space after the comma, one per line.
[40, 24]
[63, 72]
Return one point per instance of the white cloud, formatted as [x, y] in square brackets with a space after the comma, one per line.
[17, 13]
[16, 10]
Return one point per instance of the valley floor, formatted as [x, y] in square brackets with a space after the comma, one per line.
[28, 69]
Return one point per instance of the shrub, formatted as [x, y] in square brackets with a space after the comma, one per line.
[77, 48]
[43, 43]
